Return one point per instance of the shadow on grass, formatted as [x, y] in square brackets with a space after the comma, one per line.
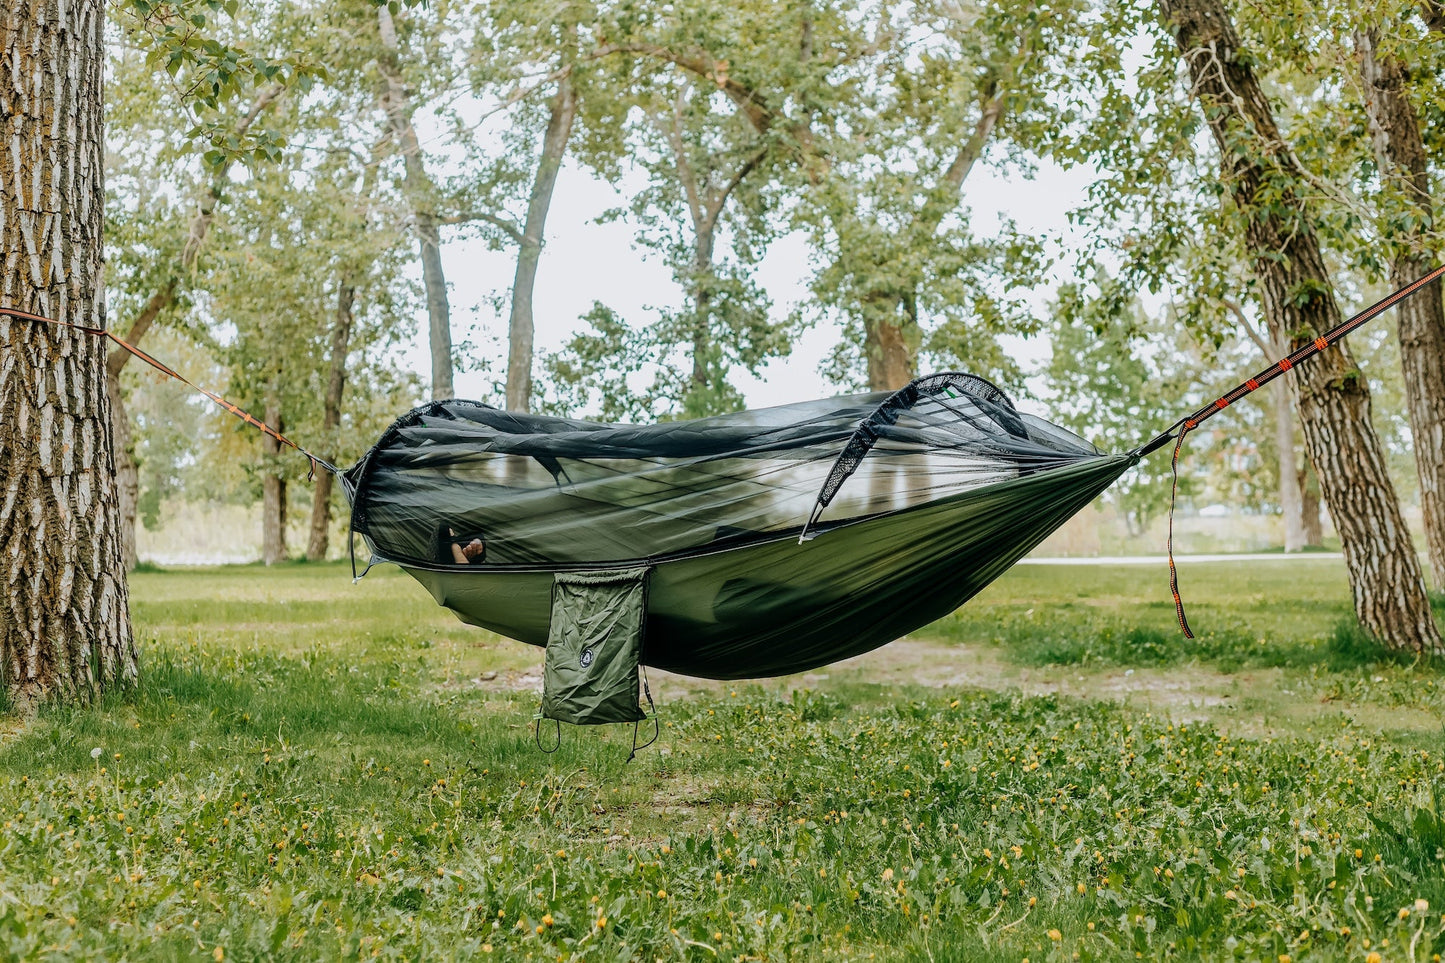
[201, 711]
[209, 706]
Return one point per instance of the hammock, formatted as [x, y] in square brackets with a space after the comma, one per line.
[769, 551]
[770, 541]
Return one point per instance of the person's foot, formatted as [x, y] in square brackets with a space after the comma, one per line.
[465, 554]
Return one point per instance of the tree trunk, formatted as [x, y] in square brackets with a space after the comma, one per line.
[891, 356]
[1260, 174]
[1291, 500]
[273, 491]
[705, 235]
[64, 606]
[396, 104]
[127, 472]
[320, 537]
[1290, 476]
[520, 327]
[1400, 151]
[1311, 514]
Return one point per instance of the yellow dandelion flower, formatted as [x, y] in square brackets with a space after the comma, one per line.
[887, 875]
[662, 894]
[1373, 958]
[1082, 889]
[602, 922]
[219, 954]
[1055, 935]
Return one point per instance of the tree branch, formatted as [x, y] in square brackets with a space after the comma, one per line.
[1434, 13]
[748, 166]
[1255, 334]
[502, 224]
[685, 173]
[704, 65]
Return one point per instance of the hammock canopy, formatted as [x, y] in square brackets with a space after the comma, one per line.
[776, 540]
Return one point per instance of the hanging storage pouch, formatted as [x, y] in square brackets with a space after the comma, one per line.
[594, 646]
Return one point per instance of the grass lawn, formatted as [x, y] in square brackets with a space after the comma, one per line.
[316, 770]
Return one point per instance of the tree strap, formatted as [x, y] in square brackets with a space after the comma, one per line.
[167, 370]
[1183, 426]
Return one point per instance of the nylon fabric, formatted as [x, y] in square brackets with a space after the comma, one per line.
[594, 642]
[952, 490]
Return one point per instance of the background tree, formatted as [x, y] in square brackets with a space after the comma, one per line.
[397, 95]
[309, 276]
[157, 241]
[1262, 182]
[905, 266]
[1408, 229]
[709, 179]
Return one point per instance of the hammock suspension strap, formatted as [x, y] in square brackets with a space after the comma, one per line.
[168, 371]
[1177, 431]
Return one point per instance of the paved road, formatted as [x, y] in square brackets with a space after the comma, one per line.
[1180, 559]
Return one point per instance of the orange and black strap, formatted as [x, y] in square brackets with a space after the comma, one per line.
[1183, 426]
[167, 370]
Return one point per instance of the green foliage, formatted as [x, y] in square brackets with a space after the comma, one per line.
[345, 788]
[926, 96]
[202, 47]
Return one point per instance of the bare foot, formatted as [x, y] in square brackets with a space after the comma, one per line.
[464, 554]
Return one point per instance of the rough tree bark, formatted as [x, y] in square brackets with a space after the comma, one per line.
[1259, 172]
[1400, 151]
[562, 112]
[396, 104]
[273, 490]
[64, 608]
[320, 537]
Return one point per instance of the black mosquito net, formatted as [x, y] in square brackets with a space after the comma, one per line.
[778, 539]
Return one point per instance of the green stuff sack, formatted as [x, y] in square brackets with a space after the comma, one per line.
[593, 647]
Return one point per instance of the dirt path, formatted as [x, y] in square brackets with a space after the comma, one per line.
[1252, 702]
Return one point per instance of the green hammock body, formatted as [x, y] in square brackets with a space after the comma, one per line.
[777, 540]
